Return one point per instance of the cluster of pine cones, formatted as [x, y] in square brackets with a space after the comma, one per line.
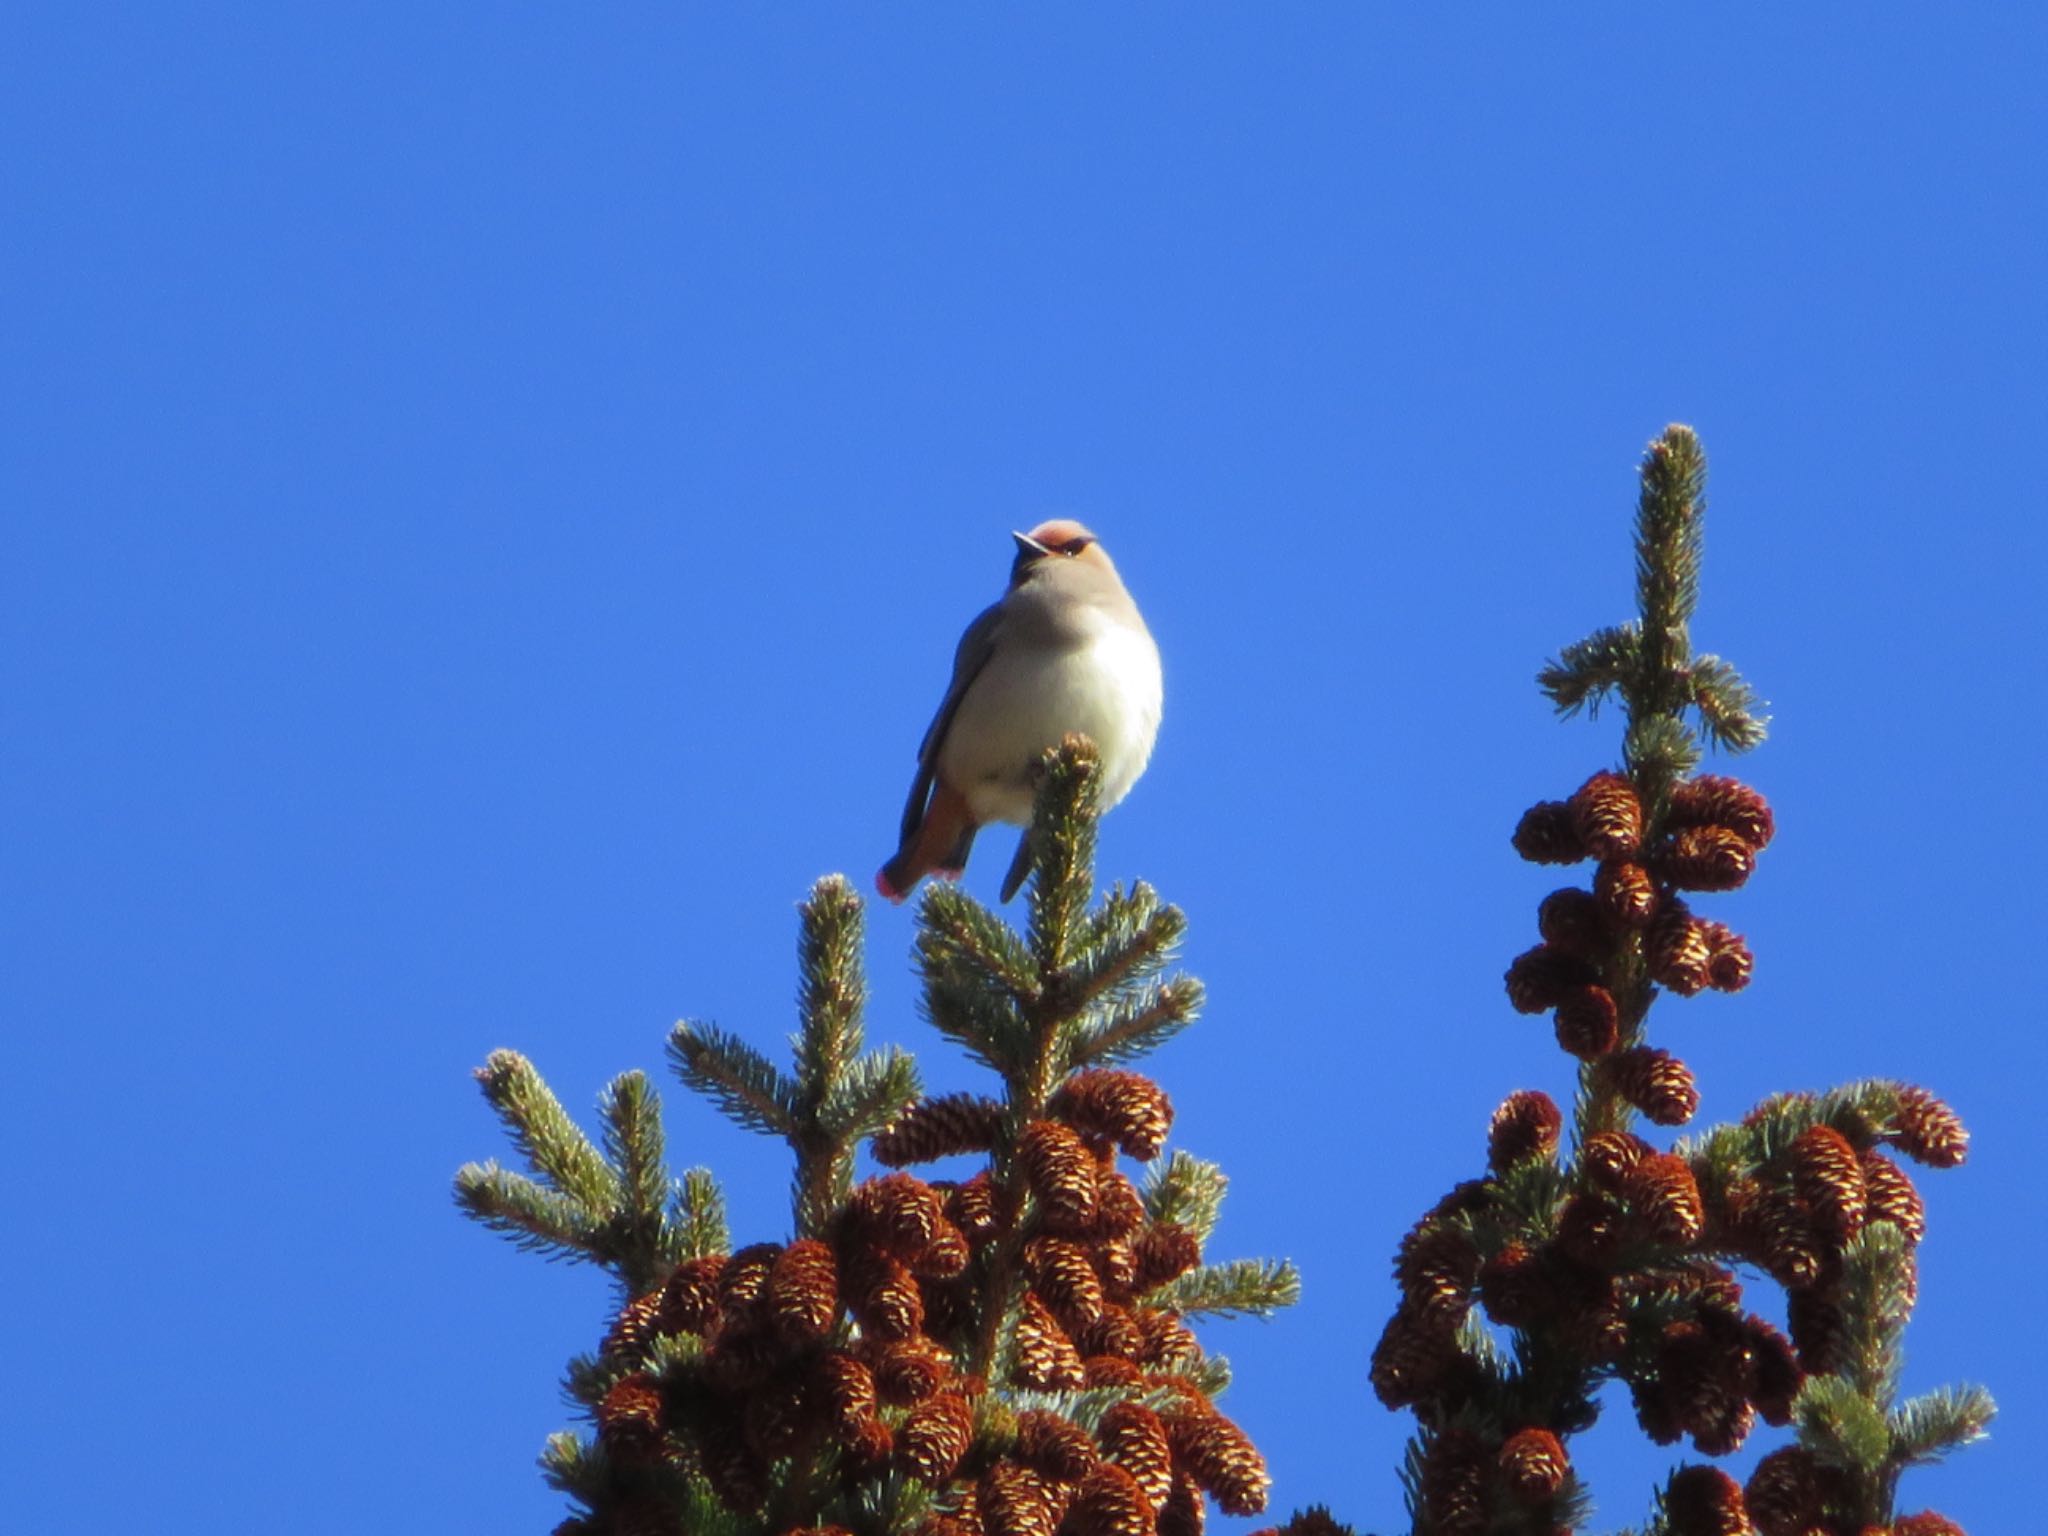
[844, 1351]
[1711, 834]
[1629, 1273]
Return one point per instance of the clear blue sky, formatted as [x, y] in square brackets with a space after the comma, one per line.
[490, 496]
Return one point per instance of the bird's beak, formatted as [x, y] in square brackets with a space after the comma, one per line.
[1027, 545]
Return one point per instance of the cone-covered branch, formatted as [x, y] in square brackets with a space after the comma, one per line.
[1613, 1259]
[1002, 1354]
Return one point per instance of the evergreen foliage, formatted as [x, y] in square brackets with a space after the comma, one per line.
[1563, 1268]
[1002, 1355]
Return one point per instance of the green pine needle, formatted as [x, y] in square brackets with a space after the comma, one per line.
[534, 1217]
[551, 1142]
[1183, 1189]
[1928, 1427]
[1139, 1025]
[1239, 1288]
[734, 1076]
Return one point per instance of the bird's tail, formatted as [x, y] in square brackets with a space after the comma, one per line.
[937, 846]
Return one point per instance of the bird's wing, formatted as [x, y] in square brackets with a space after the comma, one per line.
[976, 646]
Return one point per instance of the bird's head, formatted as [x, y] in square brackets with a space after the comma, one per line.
[1060, 539]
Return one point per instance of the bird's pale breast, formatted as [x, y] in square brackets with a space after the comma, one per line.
[1104, 683]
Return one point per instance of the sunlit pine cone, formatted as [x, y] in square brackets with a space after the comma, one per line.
[1592, 1229]
[1185, 1511]
[1526, 1126]
[1729, 962]
[1787, 1494]
[1787, 1245]
[1128, 1108]
[959, 1518]
[1061, 1172]
[1117, 1264]
[629, 1416]
[1607, 816]
[866, 1449]
[1109, 1502]
[639, 1320]
[1539, 979]
[803, 1290]
[971, 1207]
[1609, 1157]
[1112, 1371]
[1705, 1501]
[1926, 1523]
[1626, 893]
[934, 1436]
[945, 1256]
[743, 1283]
[1119, 1208]
[817, 1530]
[883, 1296]
[1455, 1471]
[1891, 1197]
[1221, 1460]
[942, 1127]
[1714, 801]
[1928, 1131]
[844, 1389]
[1113, 1331]
[742, 1354]
[1436, 1268]
[1820, 1331]
[1534, 1465]
[1164, 1341]
[1162, 1252]
[1065, 1279]
[1055, 1446]
[897, 1215]
[1655, 1082]
[907, 1370]
[1588, 1023]
[1046, 1357]
[1515, 1287]
[1676, 950]
[1828, 1174]
[1666, 1198]
[1571, 920]
[1702, 1362]
[1134, 1437]
[1016, 1501]
[689, 1301]
[1413, 1360]
[1548, 834]
[1775, 1376]
[1704, 859]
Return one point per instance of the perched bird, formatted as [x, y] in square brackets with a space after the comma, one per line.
[1064, 651]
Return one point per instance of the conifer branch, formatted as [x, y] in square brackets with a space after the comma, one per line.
[965, 936]
[633, 1144]
[1062, 835]
[733, 1075]
[1927, 1428]
[1138, 1026]
[1183, 1189]
[1240, 1288]
[834, 989]
[1127, 942]
[552, 1143]
[699, 1217]
[1587, 670]
[533, 1217]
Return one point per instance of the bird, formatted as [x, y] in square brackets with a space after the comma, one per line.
[1064, 651]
